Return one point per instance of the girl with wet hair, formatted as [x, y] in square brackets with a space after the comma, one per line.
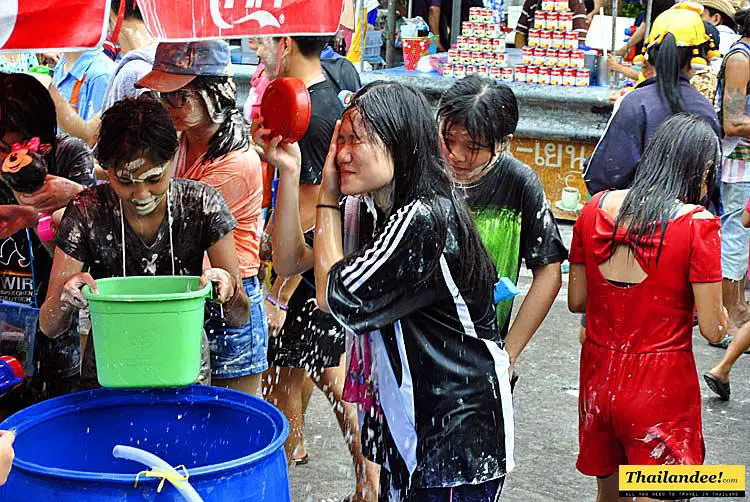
[477, 119]
[194, 84]
[135, 224]
[399, 263]
[653, 250]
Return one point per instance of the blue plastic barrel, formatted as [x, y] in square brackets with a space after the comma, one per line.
[231, 443]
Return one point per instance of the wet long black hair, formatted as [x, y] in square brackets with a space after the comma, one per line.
[681, 159]
[233, 133]
[487, 109]
[27, 108]
[670, 62]
[400, 117]
[133, 128]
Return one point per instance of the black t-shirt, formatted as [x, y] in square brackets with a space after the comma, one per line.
[91, 232]
[24, 280]
[326, 108]
[515, 222]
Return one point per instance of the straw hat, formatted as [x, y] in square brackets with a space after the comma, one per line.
[726, 6]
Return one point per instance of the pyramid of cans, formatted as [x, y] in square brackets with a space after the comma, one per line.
[552, 56]
[480, 49]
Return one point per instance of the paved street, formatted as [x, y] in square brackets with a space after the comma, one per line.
[546, 416]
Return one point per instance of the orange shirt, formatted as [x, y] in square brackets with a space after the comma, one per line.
[238, 176]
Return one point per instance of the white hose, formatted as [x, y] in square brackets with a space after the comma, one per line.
[154, 462]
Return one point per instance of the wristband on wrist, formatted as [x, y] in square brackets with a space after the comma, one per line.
[277, 303]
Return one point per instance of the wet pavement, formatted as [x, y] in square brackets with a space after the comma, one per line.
[546, 415]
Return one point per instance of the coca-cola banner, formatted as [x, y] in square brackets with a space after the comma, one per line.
[52, 24]
[178, 20]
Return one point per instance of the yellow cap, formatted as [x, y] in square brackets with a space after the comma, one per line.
[684, 22]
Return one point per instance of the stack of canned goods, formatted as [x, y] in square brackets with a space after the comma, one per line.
[480, 49]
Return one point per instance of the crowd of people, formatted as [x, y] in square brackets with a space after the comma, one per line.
[372, 274]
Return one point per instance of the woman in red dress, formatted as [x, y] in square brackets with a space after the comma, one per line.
[642, 260]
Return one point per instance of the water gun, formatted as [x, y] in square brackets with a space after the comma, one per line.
[629, 32]
[25, 170]
[11, 374]
[505, 290]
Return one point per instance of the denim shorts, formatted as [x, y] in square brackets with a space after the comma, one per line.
[237, 352]
[735, 239]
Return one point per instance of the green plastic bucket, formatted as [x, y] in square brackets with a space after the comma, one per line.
[147, 330]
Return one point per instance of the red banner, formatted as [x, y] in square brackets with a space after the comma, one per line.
[178, 20]
[52, 24]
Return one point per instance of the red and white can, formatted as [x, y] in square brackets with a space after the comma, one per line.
[555, 76]
[550, 57]
[487, 15]
[548, 5]
[447, 70]
[565, 21]
[459, 71]
[569, 77]
[475, 14]
[498, 45]
[470, 70]
[551, 23]
[488, 59]
[496, 73]
[532, 75]
[501, 60]
[454, 56]
[479, 30]
[545, 39]
[558, 40]
[477, 58]
[577, 59]
[583, 77]
[561, 5]
[474, 44]
[486, 44]
[463, 43]
[492, 31]
[540, 55]
[467, 29]
[527, 55]
[521, 73]
[571, 40]
[507, 74]
[482, 71]
[540, 20]
[534, 38]
[544, 75]
[563, 58]
[465, 57]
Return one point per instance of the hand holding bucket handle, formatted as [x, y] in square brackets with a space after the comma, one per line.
[72, 299]
[223, 285]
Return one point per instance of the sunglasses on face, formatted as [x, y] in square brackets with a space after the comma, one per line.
[178, 98]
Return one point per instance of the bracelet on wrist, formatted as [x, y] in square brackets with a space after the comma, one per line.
[329, 206]
[277, 303]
